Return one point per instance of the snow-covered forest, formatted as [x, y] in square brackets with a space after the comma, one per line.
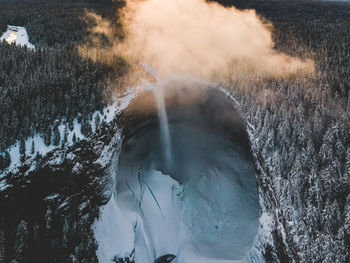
[39, 88]
[298, 128]
[301, 136]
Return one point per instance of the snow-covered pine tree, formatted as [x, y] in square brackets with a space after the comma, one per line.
[22, 149]
[97, 121]
[65, 136]
[2, 245]
[21, 243]
[56, 135]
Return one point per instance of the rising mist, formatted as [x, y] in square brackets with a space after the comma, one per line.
[195, 37]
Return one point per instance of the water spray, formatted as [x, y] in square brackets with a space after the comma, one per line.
[162, 114]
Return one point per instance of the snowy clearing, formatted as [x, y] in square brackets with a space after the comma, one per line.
[17, 35]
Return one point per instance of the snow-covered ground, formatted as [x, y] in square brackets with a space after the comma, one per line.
[17, 35]
[159, 217]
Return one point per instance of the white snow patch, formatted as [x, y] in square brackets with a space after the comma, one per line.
[4, 185]
[14, 154]
[117, 106]
[114, 233]
[17, 35]
[51, 197]
[39, 147]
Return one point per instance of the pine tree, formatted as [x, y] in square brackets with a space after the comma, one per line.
[22, 149]
[347, 216]
[326, 151]
[48, 218]
[97, 121]
[47, 136]
[86, 128]
[70, 125]
[2, 246]
[314, 194]
[32, 151]
[56, 136]
[21, 243]
[7, 159]
[65, 137]
[66, 233]
[331, 219]
[347, 163]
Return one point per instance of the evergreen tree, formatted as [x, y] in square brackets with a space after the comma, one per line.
[47, 136]
[97, 121]
[347, 217]
[21, 243]
[32, 151]
[2, 246]
[70, 125]
[86, 128]
[48, 218]
[347, 163]
[7, 159]
[65, 137]
[2, 162]
[326, 151]
[22, 149]
[56, 136]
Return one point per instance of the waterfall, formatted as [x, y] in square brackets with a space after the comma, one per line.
[162, 114]
[163, 123]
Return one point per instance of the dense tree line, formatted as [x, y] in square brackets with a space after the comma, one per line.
[53, 82]
[303, 148]
[301, 138]
[314, 29]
